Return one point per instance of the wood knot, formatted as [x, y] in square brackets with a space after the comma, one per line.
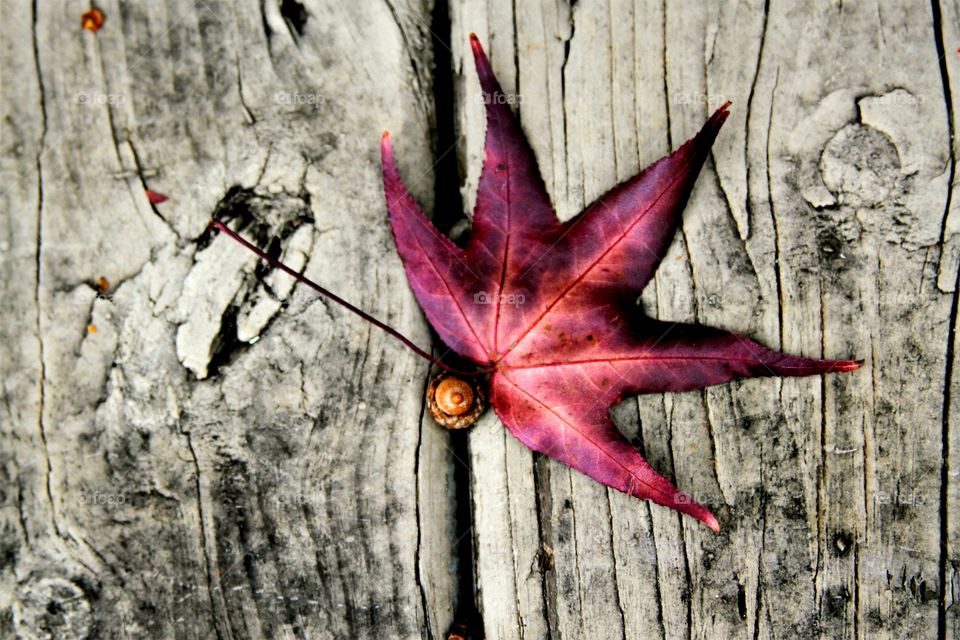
[860, 166]
[53, 607]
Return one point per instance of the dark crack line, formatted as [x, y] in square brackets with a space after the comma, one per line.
[406, 43]
[424, 600]
[448, 209]
[944, 463]
[140, 173]
[563, 101]
[20, 514]
[138, 166]
[467, 611]
[201, 515]
[113, 134]
[653, 533]
[856, 590]
[251, 119]
[513, 547]
[666, 82]
[611, 69]
[822, 471]
[948, 103]
[951, 334]
[546, 562]
[616, 579]
[576, 549]
[773, 218]
[448, 204]
[687, 577]
[712, 437]
[753, 89]
[41, 426]
[758, 604]
[656, 572]
[18, 468]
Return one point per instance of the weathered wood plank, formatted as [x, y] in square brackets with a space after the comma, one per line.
[819, 229]
[165, 477]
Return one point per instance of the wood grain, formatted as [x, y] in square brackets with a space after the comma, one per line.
[165, 477]
[823, 227]
[203, 450]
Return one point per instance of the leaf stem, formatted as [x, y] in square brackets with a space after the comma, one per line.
[326, 293]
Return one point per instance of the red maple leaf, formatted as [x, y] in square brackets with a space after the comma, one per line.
[550, 308]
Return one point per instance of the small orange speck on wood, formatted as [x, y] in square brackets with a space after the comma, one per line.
[102, 284]
[92, 20]
[91, 328]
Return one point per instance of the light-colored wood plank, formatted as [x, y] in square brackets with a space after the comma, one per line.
[163, 477]
[819, 229]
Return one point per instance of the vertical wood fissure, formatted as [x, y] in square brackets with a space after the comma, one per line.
[943, 560]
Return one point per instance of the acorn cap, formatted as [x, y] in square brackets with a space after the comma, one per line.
[454, 402]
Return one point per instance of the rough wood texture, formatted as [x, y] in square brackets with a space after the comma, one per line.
[228, 456]
[824, 227]
[163, 477]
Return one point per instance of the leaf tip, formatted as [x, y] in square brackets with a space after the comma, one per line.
[842, 366]
[701, 513]
[851, 365]
[709, 520]
[488, 80]
[386, 145]
[720, 115]
[683, 503]
[480, 59]
[155, 197]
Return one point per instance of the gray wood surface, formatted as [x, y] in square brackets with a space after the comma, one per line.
[824, 226]
[163, 478]
[229, 456]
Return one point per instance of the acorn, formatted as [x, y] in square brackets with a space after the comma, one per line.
[454, 402]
